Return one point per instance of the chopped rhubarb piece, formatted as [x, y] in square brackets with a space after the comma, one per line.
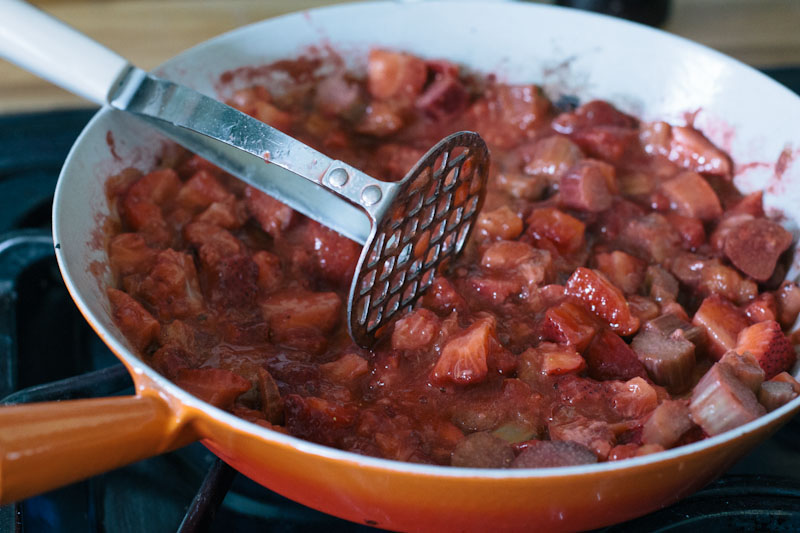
[661, 285]
[565, 231]
[269, 396]
[669, 360]
[643, 308]
[463, 358]
[667, 323]
[482, 450]
[171, 288]
[691, 196]
[551, 454]
[788, 296]
[610, 358]
[345, 370]
[774, 394]
[507, 256]
[270, 275]
[558, 360]
[415, 330]
[588, 186]
[722, 321]
[216, 386]
[690, 149]
[754, 247]
[493, 290]
[721, 402]
[746, 368]
[395, 75]
[133, 320]
[652, 236]
[569, 323]
[501, 223]
[605, 142]
[623, 451]
[521, 186]
[786, 377]
[767, 343]
[764, 307]
[552, 157]
[603, 299]
[667, 424]
[623, 270]
[292, 309]
[594, 434]
[634, 398]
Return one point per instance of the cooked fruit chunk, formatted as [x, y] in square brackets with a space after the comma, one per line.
[609, 358]
[763, 307]
[273, 216]
[269, 396]
[722, 322]
[786, 377]
[686, 147]
[216, 386]
[721, 402]
[171, 288]
[651, 236]
[551, 454]
[667, 323]
[634, 398]
[788, 296]
[565, 231]
[754, 247]
[588, 186]
[559, 360]
[552, 157]
[774, 394]
[767, 343]
[569, 323]
[317, 419]
[133, 320]
[603, 299]
[590, 114]
[661, 285]
[334, 257]
[200, 191]
[129, 254]
[345, 370]
[395, 75]
[500, 223]
[746, 368]
[667, 424]
[643, 308]
[415, 330]
[444, 97]
[270, 274]
[623, 270]
[594, 434]
[482, 450]
[463, 358]
[669, 359]
[691, 196]
[509, 114]
[291, 309]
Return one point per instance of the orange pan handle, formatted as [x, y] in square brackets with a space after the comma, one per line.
[46, 445]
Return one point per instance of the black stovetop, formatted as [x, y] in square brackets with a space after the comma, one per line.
[761, 492]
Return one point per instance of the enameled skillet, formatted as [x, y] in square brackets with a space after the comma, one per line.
[642, 71]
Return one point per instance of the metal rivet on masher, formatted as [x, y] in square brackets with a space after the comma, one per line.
[371, 195]
[338, 177]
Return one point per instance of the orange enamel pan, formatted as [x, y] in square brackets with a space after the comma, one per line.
[641, 70]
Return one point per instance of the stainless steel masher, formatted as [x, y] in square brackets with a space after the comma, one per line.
[407, 228]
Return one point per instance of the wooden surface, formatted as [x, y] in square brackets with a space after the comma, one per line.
[762, 33]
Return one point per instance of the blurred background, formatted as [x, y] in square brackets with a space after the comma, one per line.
[762, 33]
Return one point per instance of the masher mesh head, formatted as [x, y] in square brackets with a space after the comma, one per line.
[428, 221]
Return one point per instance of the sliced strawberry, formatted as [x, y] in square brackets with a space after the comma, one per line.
[721, 402]
[634, 398]
[603, 299]
[722, 321]
[623, 270]
[558, 360]
[216, 386]
[754, 247]
[565, 231]
[464, 357]
[719, 279]
[443, 297]
[767, 343]
[691, 196]
[690, 229]
[609, 358]
[551, 157]
[569, 323]
[345, 370]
